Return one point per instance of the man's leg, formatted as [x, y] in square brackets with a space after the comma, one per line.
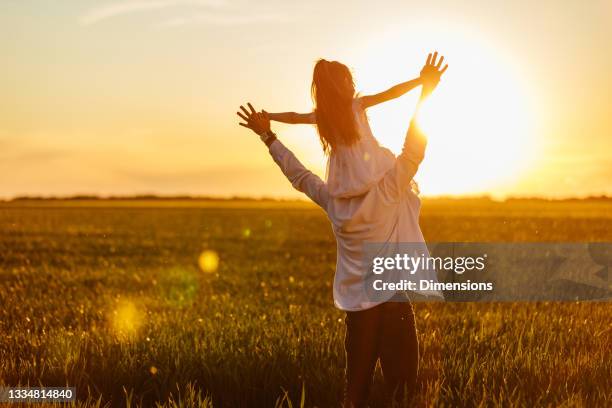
[399, 349]
[361, 344]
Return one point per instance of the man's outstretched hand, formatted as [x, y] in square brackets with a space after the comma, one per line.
[258, 122]
[431, 73]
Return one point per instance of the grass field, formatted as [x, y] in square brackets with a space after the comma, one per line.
[110, 298]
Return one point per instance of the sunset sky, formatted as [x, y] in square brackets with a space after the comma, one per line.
[134, 97]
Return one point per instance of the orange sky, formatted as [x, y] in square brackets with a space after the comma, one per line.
[132, 97]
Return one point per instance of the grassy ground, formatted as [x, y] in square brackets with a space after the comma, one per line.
[110, 298]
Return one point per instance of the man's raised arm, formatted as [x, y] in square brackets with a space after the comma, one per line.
[407, 164]
[300, 177]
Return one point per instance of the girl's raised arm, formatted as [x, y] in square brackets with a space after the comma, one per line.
[391, 93]
[293, 117]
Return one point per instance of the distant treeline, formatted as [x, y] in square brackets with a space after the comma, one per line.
[153, 197]
[147, 197]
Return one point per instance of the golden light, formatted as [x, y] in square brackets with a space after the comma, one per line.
[126, 319]
[208, 261]
[479, 121]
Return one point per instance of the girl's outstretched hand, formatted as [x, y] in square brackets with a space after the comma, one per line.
[431, 73]
[258, 122]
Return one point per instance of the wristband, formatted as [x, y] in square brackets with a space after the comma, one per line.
[268, 138]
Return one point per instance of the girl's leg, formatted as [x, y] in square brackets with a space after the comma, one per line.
[361, 344]
[399, 349]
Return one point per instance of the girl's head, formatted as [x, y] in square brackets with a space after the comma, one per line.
[333, 91]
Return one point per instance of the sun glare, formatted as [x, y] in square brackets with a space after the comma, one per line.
[478, 122]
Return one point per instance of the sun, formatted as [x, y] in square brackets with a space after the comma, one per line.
[479, 121]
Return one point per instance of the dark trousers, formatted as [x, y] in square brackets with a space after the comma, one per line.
[386, 332]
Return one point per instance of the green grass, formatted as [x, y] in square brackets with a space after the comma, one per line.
[110, 299]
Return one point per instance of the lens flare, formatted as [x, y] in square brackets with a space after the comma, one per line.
[209, 261]
[126, 320]
[178, 286]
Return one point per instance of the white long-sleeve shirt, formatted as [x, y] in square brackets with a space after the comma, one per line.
[388, 211]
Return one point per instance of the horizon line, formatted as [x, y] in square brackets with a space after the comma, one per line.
[190, 197]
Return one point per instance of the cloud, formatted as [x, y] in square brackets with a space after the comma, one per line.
[223, 20]
[115, 9]
[219, 175]
[218, 12]
[26, 156]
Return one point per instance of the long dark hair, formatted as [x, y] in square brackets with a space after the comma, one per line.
[333, 91]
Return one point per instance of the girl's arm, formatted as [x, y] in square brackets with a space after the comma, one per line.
[391, 93]
[294, 117]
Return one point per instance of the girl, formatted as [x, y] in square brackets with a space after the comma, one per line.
[368, 198]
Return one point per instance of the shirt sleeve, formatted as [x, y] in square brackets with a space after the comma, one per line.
[398, 179]
[300, 177]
